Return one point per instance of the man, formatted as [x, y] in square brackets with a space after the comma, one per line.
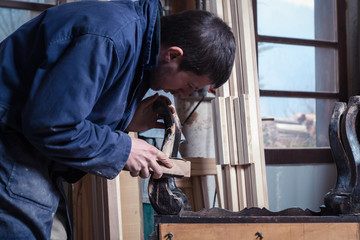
[71, 83]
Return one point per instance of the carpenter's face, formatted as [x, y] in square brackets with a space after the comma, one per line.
[180, 83]
[167, 76]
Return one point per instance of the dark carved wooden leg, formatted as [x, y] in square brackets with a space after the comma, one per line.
[345, 148]
[164, 196]
[352, 147]
[338, 199]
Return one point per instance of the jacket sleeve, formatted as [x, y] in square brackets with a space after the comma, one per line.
[66, 87]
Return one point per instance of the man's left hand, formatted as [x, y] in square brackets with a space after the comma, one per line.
[145, 118]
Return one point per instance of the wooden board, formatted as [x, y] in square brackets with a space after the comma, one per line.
[240, 126]
[181, 168]
[231, 127]
[220, 186]
[221, 131]
[197, 194]
[242, 106]
[202, 166]
[232, 188]
[241, 183]
[82, 211]
[131, 207]
[113, 208]
[250, 149]
[269, 231]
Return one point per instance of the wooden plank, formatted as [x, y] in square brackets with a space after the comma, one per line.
[216, 130]
[98, 211]
[238, 14]
[242, 108]
[220, 186]
[269, 231]
[181, 168]
[241, 183]
[131, 206]
[247, 46]
[236, 87]
[240, 126]
[202, 166]
[247, 37]
[205, 191]
[82, 210]
[250, 186]
[197, 194]
[113, 208]
[220, 125]
[231, 89]
[231, 127]
[231, 188]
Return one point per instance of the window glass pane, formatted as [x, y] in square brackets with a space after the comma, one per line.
[38, 1]
[297, 68]
[11, 19]
[306, 19]
[295, 122]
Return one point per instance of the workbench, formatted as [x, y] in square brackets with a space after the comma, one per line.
[221, 224]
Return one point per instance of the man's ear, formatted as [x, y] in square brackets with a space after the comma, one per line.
[174, 53]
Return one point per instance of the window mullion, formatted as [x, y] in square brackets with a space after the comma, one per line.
[297, 41]
[298, 94]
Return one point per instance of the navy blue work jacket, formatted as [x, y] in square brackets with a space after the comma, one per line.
[70, 80]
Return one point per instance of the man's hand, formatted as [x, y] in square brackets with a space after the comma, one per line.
[143, 158]
[145, 118]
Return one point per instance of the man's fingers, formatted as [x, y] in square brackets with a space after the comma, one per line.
[144, 173]
[167, 162]
[157, 170]
[135, 173]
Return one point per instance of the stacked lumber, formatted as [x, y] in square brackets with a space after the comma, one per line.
[241, 173]
[99, 206]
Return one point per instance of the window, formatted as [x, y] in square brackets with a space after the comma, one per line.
[302, 73]
[15, 13]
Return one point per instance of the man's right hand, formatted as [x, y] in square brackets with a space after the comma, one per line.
[143, 158]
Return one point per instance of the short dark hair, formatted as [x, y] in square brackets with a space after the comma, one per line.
[207, 41]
